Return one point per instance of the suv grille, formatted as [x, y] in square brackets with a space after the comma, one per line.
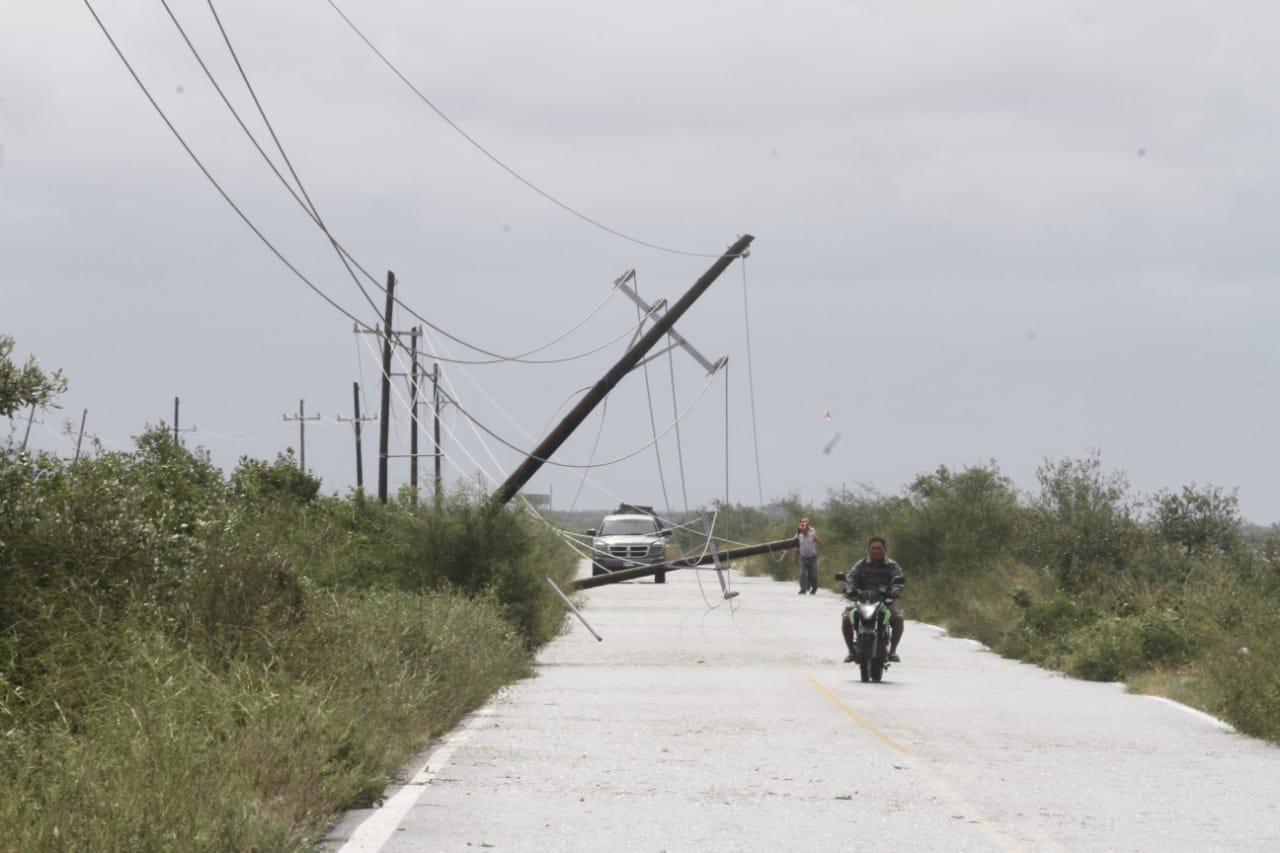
[629, 550]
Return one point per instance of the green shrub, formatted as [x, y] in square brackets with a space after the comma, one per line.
[256, 480]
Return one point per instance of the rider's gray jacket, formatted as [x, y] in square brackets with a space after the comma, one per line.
[867, 575]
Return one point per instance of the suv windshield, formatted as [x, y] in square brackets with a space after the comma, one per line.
[627, 526]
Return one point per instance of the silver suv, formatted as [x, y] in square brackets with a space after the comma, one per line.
[629, 538]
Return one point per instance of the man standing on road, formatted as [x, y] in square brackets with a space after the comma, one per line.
[807, 556]
[875, 571]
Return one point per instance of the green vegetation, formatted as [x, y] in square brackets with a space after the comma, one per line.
[25, 385]
[199, 662]
[1171, 593]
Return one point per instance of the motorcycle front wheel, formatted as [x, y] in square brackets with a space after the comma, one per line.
[866, 648]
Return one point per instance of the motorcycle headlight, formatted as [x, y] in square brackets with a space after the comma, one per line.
[867, 611]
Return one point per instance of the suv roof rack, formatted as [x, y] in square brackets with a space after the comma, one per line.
[637, 509]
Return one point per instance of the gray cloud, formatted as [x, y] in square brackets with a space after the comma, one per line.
[996, 230]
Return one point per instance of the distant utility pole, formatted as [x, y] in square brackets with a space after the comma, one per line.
[31, 416]
[80, 437]
[435, 407]
[357, 420]
[384, 414]
[302, 419]
[176, 430]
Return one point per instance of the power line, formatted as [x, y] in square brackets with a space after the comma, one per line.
[530, 455]
[227, 198]
[276, 139]
[653, 424]
[671, 364]
[494, 158]
[563, 534]
[586, 471]
[595, 445]
[453, 395]
[309, 207]
[751, 380]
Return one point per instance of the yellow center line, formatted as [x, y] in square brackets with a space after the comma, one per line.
[944, 790]
[994, 835]
[862, 721]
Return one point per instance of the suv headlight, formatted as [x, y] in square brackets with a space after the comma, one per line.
[658, 548]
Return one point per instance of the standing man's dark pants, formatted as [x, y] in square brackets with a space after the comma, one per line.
[808, 574]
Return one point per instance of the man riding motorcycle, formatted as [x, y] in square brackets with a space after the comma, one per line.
[875, 571]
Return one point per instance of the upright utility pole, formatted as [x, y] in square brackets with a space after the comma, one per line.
[384, 413]
[600, 390]
[435, 407]
[413, 411]
[357, 420]
[302, 419]
[176, 430]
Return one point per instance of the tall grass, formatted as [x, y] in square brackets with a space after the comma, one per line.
[189, 661]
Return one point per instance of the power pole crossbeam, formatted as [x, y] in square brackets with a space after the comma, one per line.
[675, 336]
[525, 471]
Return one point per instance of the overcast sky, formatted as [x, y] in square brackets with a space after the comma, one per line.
[990, 230]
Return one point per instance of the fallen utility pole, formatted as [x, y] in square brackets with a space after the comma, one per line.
[688, 563]
[601, 389]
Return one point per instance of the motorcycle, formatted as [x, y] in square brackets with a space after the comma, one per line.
[870, 616]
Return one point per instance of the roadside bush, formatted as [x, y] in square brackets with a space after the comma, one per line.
[256, 480]
[963, 520]
[1197, 519]
[1083, 523]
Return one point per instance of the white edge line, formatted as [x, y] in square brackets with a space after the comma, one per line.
[1208, 718]
[377, 828]
[1222, 725]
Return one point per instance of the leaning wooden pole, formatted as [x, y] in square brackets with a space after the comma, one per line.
[601, 389]
[706, 559]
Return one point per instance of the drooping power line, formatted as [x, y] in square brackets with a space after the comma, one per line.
[502, 165]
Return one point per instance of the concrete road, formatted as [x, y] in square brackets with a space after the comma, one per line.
[697, 727]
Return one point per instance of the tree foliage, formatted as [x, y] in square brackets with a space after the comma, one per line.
[23, 385]
[1197, 519]
[1086, 521]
